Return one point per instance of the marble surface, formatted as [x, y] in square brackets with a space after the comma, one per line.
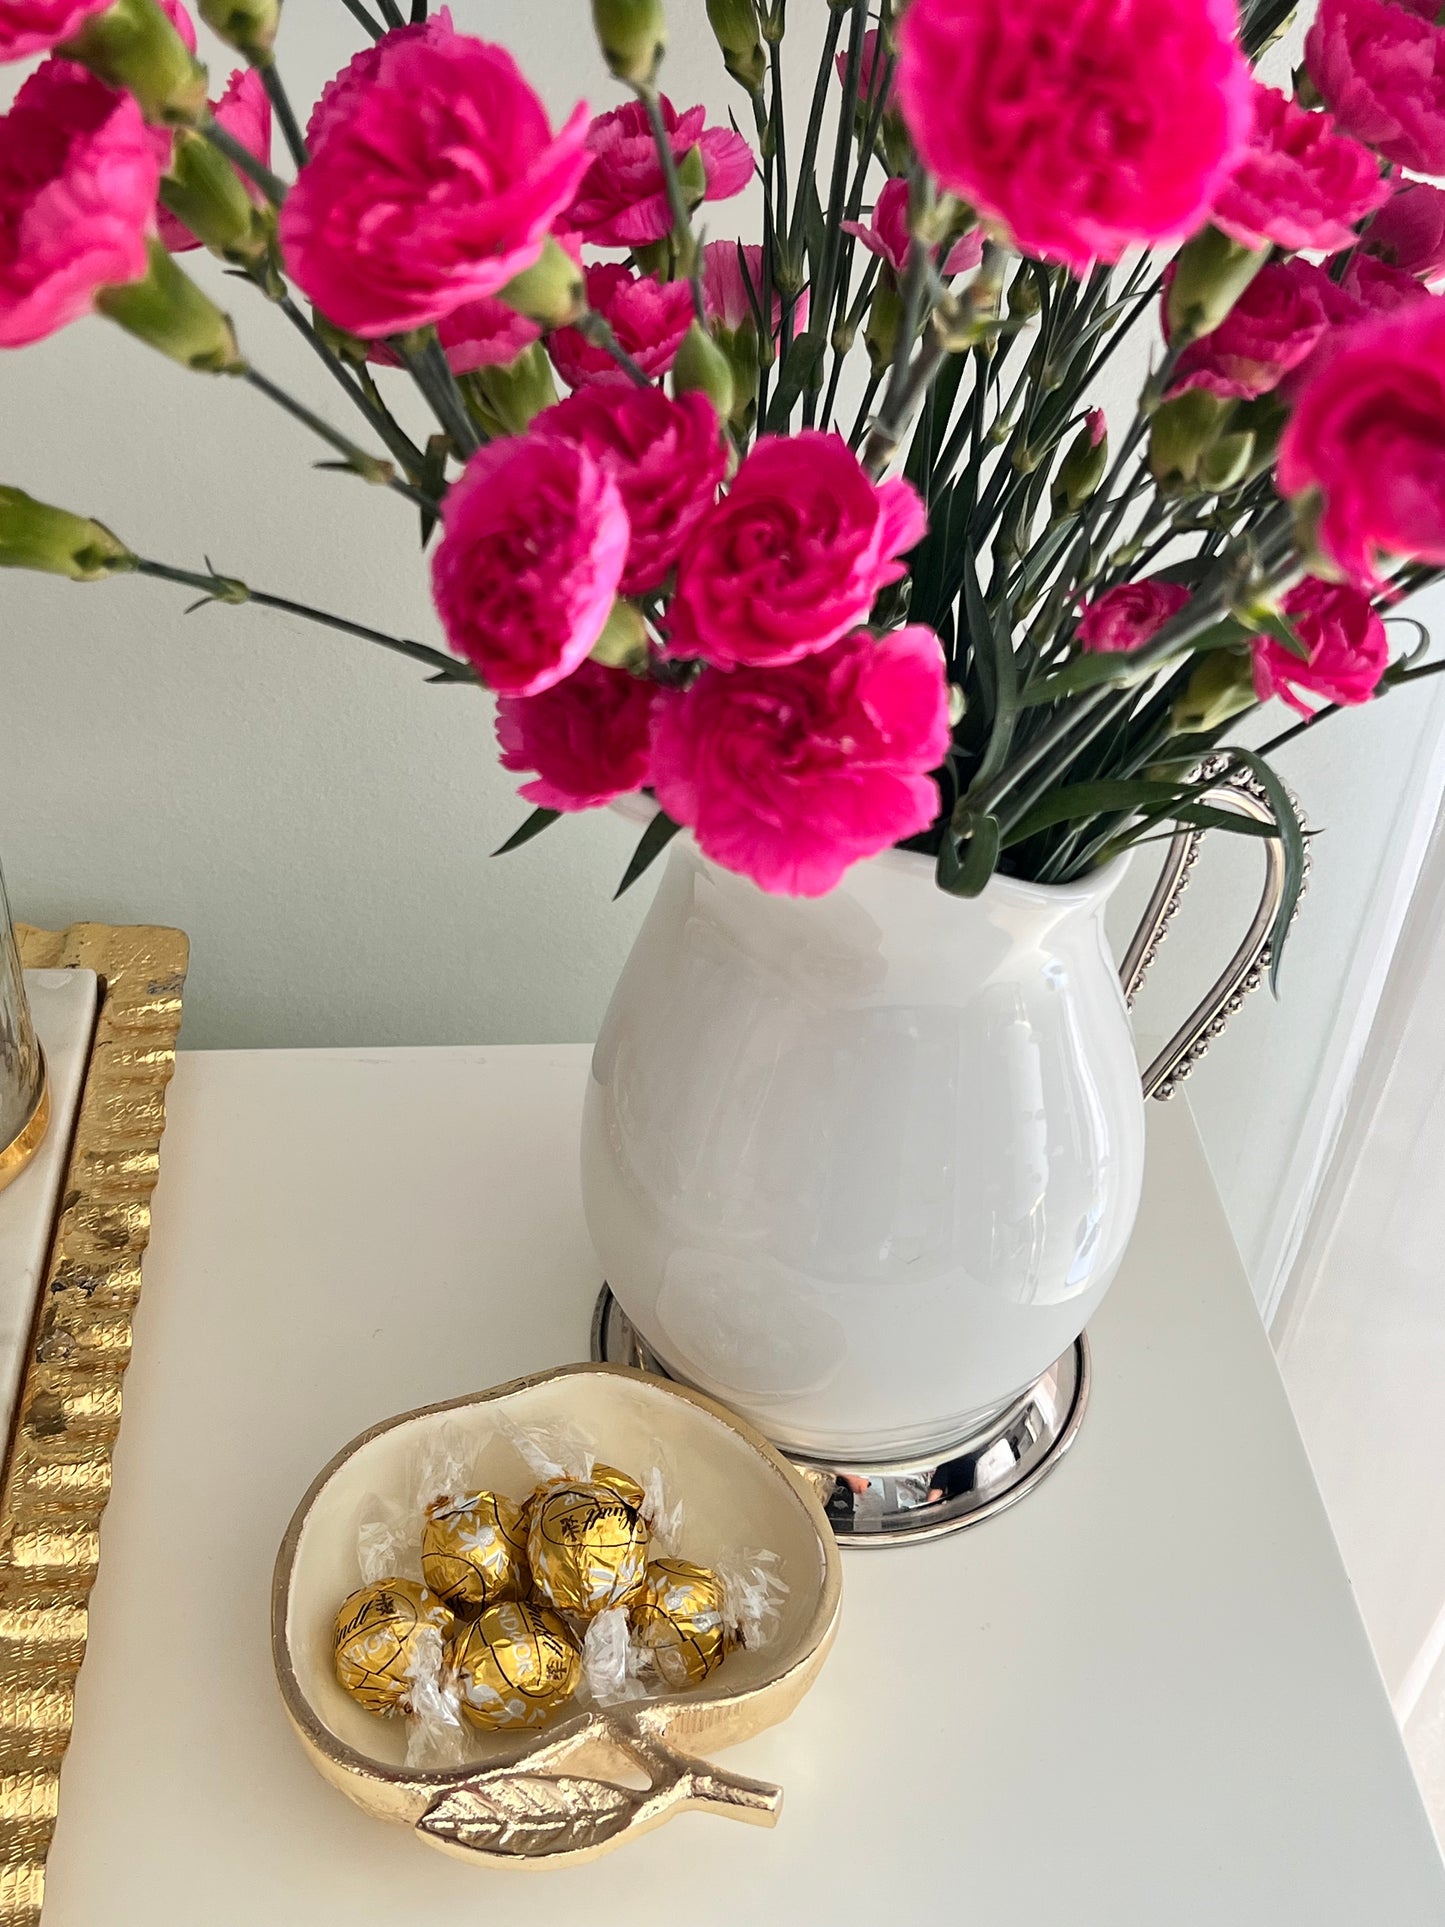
[62, 1004]
[1146, 1698]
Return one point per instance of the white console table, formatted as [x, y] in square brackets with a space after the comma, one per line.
[1141, 1698]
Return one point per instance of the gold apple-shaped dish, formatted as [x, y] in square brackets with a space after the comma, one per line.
[571, 1790]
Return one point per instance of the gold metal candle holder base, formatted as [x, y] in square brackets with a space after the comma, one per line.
[29, 1138]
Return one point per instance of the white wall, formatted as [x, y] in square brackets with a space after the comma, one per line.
[319, 819]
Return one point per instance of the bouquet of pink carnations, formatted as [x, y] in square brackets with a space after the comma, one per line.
[828, 544]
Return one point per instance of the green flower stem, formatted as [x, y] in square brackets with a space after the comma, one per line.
[429, 368]
[807, 166]
[285, 114]
[240, 156]
[842, 152]
[371, 468]
[220, 588]
[684, 246]
[359, 14]
[391, 13]
[370, 404]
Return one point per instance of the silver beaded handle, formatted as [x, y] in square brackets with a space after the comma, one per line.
[1244, 794]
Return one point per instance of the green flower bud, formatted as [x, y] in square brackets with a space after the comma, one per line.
[740, 347]
[247, 25]
[1024, 295]
[735, 26]
[633, 36]
[1221, 686]
[1226, 464]
[885, 318]
[702, 368]
[133, 46]
[692, 176]
[166, 309]
[552, 291]
[35, 536]
[623, 642]
[509, 397]
[1210, 275]
[1183, 429]
[204, 190]
[1083, 467]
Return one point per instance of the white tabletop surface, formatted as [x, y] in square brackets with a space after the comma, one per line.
[1143, 1698]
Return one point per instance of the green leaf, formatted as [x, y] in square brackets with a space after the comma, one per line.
[929, 437]
[804, 360]
[1203, 816]
[1077, 801]
[1292, 835]
[815, 230]
[968, 859]
[1084, 672]
[653, 841]
[998, 670]
[538, 821]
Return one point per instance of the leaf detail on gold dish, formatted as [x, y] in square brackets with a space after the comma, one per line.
[528, 1814]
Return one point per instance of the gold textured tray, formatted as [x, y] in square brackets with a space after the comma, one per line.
[57, 1463]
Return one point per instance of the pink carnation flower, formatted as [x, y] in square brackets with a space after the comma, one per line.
[1380, 288]
[35, 26]
[886, 234]
[667, 457]
[1409, 231]
[527, 571]
[1125, 618]
[339, 97]
[1349, 649]
[482, 334]
[1381, 68]
[78, 180]
[622, 201]
[1300, 184]
[245, 111]
[1368, 433]
[790, 775]
[793, 557]
[649, 319]
[1273, 327]
[589, 738]
[1084, 125]
[732, 288]
[434, 181]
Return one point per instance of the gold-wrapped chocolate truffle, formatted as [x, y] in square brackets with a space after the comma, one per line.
[384, 1634]
[587, 1542]
[621, 1483]
[514, 1664]
[679, 1616]
[474, 1551]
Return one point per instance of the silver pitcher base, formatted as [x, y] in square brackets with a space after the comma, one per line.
[898, 1504]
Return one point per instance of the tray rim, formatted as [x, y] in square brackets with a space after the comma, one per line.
[57, 1463]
